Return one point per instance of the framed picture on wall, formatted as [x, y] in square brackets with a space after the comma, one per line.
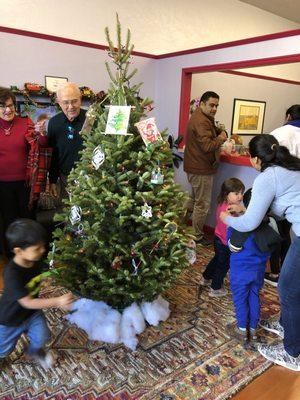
[44, 110]
[248, 117]
[52, 83]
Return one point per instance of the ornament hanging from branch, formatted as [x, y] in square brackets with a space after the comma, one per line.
[98, 157]
[157, 177]
[146, 211]
[117, 120]
[148, 130]
[75, 215]
[190, 252]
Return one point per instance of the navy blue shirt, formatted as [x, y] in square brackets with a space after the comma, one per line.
[63, 136]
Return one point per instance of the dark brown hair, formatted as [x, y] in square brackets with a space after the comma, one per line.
[6, 94]
[230, 185]
[267, 149]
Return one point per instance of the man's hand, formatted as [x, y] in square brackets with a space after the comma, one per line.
[53, 190]
[223, 135]
[41, 128]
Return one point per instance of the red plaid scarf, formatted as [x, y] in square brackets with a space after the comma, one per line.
[38, 164]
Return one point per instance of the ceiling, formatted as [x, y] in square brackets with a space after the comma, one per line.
[157, 27]
[289, 9]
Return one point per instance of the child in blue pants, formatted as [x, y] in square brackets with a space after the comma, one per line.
[250, 253]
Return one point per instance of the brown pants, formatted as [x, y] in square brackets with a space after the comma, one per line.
[199, 201]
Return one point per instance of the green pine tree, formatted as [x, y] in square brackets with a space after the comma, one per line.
[114, 253]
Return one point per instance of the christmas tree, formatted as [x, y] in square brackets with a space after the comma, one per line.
[120, 238]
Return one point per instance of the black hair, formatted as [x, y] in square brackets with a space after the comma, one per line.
[207, 95]
[268, 150]
[247, 197]
[24, 233]
[6, 94]
[230, 185]
[293, 111]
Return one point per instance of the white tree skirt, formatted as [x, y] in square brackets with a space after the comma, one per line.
[101, 322]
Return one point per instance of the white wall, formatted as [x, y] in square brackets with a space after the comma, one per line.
[25, 59]
[278, 96]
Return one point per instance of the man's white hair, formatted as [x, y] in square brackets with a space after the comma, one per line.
[68, 86]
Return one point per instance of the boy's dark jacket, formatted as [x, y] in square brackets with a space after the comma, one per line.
[265, 237]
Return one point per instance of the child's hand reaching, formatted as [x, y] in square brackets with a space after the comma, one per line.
[65, 301]
[223, 215]
[236, 209]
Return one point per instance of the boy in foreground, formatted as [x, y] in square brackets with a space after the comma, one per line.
[19, 311]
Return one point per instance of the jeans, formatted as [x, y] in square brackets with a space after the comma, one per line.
[289, 295]
[36, 329]
[218, 266]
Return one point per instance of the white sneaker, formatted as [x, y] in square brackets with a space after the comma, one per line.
[46, 360]
[278, 355]
[272, 326]
[204, 282]
[218, 292]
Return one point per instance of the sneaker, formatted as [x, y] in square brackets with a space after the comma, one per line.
[218, 292]
[278, 355]
[46, 360]
[204, 282]
[253, 335]
[272, 326]
[271, 279]
[238, 334]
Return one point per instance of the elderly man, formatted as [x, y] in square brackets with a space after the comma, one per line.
[63, 136]
[201, 157]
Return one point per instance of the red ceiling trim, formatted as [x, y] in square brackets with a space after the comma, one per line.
[240, 42]
[264, 77]
[65, 40]
[234, 43]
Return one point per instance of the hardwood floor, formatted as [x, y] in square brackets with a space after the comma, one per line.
[277, 383]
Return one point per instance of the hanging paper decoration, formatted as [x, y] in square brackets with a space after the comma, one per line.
[148, 130]
[117, 120]
[98, 157]
[146, 211]
[75, 215]
[157, 177]
[190, 252]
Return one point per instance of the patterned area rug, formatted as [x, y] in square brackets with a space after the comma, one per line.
[190, 356]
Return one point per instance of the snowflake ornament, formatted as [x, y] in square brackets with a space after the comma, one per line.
[147, 211]
[98, 157]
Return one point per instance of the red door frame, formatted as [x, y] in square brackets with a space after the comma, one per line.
[186, 80]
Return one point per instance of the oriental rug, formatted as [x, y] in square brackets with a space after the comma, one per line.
[190, 356]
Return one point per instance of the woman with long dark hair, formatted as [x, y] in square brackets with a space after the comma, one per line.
[278, 187]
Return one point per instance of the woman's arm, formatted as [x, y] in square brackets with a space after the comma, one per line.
[263, 193]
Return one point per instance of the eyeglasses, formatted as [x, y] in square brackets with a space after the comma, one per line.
[67, 103]
[5, 106]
